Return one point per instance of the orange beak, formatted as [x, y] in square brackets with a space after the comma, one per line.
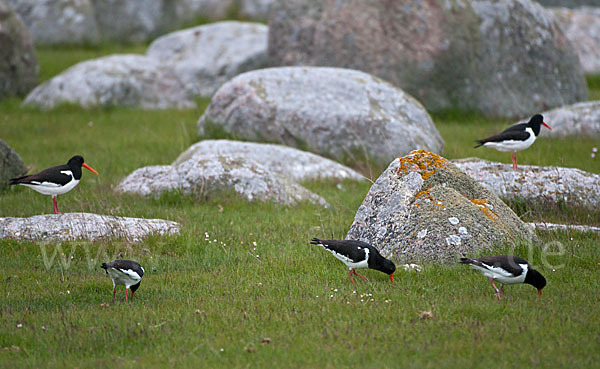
[539, 293]
[392, 277]
[547, 126]
[89, 168]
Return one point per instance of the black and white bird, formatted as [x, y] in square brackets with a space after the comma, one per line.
[127, 273]
[56, 180]
[516, 137]
[507, 269]
[356, 255]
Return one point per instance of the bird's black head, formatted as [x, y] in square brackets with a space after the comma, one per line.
[536, 122]
[535, 279]
[135, 287]
[386, 266]
[76, 161]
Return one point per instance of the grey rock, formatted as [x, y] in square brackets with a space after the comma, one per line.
[18, 65]
[569, 3]
[123, 80]
[582, 27]
[564, 227]
[131, 20]
[11, 164]
[58, 21]
[424, 208]
[582, 119]
[534, 183]
[338, 113]
[188, 10]
[282, 160]
[205, 175]
[500, 57]
[207, 56]
[83, 226]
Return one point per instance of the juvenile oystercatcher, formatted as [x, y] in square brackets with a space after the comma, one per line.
[507, 269]
[56, 180]
[124, 272]
[357, 254]
[516, 137]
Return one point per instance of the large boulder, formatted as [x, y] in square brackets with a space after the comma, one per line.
[131, 20]
[11, 164]
[338, 113]
[582, 119]
[207, 175]
[83, 226]
[18, 65]
[569, 3]
[582, 27]
[205, 57]
[500, 57]
[255, 9]
[424, 208]
[282, 160]
[58, 21]
[123, 80]
[534, 183]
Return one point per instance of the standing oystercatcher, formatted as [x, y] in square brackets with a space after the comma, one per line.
[507, 269]
[357, 254]
[516, 137]
[56, 180]
[124, 272]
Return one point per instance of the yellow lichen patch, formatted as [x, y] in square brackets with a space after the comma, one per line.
[424, 192]
[482, 204]
[422, 160]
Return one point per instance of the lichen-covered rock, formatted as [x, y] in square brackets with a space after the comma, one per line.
[534, 183]
[338, 113]
[117, 80]
[501, 57]
[11, 164]
[131, 20]
[569, 3]
[207, 56]
[282, 160]
[206, 175]
[582, 119]
[255, 9]
[58, 21]
[83, 226]
[424, 208]
[18, 65]
[582, 27]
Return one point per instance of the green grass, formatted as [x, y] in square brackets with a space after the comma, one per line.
[207, 303]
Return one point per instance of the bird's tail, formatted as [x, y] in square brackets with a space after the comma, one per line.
[316, 241]
[14, 181]
[104, 266]
[479, 143]
[466, 261]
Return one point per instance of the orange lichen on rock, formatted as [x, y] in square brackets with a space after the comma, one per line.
[482, 204]
[426, 162]
[424, 192]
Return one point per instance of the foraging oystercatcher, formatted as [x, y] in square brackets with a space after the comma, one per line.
[56, 180]
[507, 269]
[124, 272]
[516, 137]
[357, 254]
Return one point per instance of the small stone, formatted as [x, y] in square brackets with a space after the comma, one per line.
[453, 220]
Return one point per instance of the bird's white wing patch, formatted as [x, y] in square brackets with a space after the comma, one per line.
[130, 273]
[497, 271]
[45, 184]
[67, 172]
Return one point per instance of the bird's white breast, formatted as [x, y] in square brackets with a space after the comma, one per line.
[351, 264]
[125, 277]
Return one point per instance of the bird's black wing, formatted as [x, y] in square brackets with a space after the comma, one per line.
[515, 132]
[123, 265]
[507, 262]
[53, 175]
[352, 249]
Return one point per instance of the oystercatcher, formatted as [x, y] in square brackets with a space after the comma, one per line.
[56, 180]
[124, 272]
[516, 137]
[507, 269]
[357, 254]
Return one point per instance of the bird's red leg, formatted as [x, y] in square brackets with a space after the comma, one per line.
[501, 290]
[514, 157]
[114, 292]
[351, 277]
[126, 290]
[55, 205]
[358, 275]
[495, 288]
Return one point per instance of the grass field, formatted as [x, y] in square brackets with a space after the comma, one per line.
[241, 286]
